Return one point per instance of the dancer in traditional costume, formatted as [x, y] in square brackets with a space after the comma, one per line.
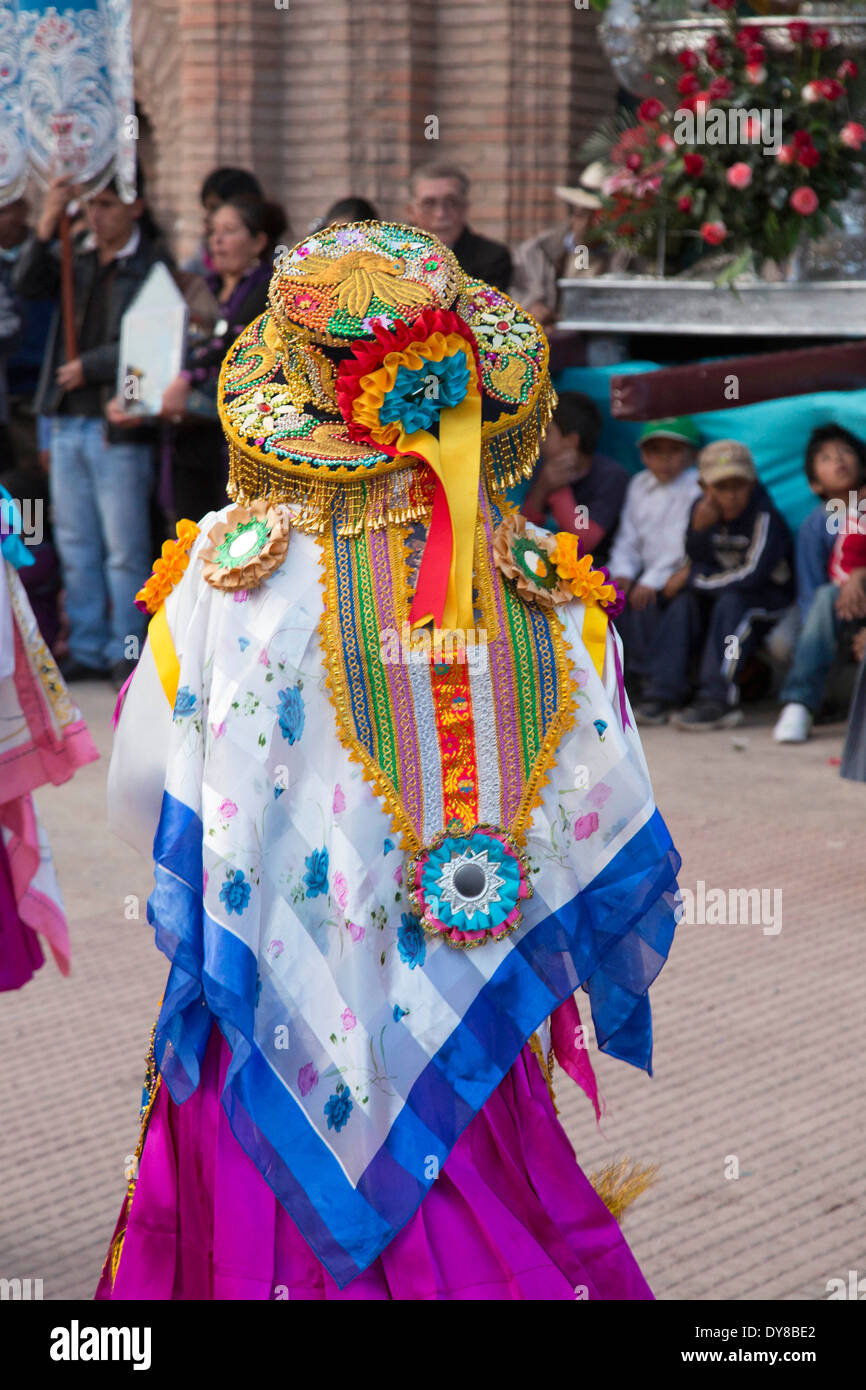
[43, 738]
[386, 855]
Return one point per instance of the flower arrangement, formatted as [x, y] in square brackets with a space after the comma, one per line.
[752, 149]
[168, 568]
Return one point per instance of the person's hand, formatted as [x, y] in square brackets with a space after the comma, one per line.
[624, 585]
[705, 514]
[858, 644]
[71, 375]
[557, 472]
[677, 581]
[117, 413]
[59, 193]
[642, 596]
[851, 599]
[174, 399]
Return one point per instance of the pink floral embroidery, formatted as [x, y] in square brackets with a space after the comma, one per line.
[241, 595]
[348, 1020]
[339, 800]
[586, 825]
[398, 874]
[357, 933]
[580, 677]
[204, 881]
[228, 809]
[599, 795]
[218, 729]
[308, 1077]
[341, 891]
[263, 657]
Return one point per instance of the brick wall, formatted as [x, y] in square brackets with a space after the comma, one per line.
[330, 97]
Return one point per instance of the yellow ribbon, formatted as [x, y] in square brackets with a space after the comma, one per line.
[164, 654]
[594, 634]
[455, 458]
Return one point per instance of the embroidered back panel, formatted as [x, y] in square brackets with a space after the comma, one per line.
[448, 744]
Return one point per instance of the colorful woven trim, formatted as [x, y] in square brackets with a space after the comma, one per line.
[446, 745]
[290, 441]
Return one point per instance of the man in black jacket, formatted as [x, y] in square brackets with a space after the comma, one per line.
[438, 203]
[100, 478]
[738, 578]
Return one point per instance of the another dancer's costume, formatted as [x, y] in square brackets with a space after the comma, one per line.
[384, 862]
[43, 738]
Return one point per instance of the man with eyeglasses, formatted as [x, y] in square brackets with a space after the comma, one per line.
[438, 203]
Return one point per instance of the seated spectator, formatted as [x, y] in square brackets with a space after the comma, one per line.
[650, 542]
[350, 210]
[219, 185]
[737, 576]
[544, 259]
[836, 467]
[854, 752]
[101, 480]
[576, 489]
[438, 203]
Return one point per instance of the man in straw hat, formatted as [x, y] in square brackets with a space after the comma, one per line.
[399, 820]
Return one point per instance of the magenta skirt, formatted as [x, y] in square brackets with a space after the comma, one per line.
[511, 1215]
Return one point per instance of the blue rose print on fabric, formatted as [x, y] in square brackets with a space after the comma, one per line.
[410, 941]
[399, 1013]
[338, 1108]
[388, 846]
[235, 892]
[291, 713]
[316, 877]
[185, 703]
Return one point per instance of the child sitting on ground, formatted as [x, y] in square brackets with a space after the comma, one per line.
[649, 546]
[576, 489]
[835, 468]
[737, 576]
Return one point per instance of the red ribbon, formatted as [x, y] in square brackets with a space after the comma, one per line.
[432, 586]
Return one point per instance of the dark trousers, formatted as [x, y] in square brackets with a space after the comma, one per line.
[638, 628]
[720, 631]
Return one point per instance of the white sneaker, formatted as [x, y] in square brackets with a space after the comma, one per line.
[793, 725]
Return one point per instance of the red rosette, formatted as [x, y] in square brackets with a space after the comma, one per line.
[368, 357]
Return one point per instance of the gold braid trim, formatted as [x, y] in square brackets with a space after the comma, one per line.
[620, 1184]
[336, 686]
[153, 1079]
[562, 721]
[546, 1065]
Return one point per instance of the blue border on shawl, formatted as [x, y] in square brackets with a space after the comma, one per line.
[611, 939]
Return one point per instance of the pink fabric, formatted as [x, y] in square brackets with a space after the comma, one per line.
[20, 952]
[511, 1215]
[570, 1051]
[620, 685]
[121, 696]
[35, 908]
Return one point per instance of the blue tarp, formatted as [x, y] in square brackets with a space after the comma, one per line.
[775, 431]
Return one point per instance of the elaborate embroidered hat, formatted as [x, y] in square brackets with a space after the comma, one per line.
[376, 355]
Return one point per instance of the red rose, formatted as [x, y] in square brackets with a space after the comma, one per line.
[802, 137]
[808, 156]
[755, 54]
[852, 134]
[820, 38]
[720, 87]
[633, 162]
[786, 154]
[650, 110]
[684, 204]
[739, 175]
[687, 59]
[714, 233]
[694, 164]
[715, 54]
[688, 84]
[666, 142]
[830, 89]
[847, 68]
[799, 31]
[804, 200]
[723, 4]
[748, 36]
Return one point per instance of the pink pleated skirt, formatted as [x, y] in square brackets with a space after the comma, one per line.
[511, 1215]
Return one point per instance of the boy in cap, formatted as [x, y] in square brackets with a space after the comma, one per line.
[648, 551]
[738, 575]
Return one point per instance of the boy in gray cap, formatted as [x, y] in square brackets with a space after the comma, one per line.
[737, 579]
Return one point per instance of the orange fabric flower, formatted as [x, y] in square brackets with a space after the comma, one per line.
[168, 569]
[586, 583]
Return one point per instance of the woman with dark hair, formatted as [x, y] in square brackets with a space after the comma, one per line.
[243, 231]
[220, 185]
